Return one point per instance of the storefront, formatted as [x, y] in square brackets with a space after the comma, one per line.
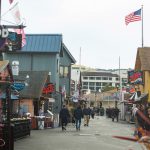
[35, 97]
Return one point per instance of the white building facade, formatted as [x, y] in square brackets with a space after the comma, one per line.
[96, 81]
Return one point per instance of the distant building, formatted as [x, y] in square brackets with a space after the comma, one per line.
[95, 81]
[75, 76]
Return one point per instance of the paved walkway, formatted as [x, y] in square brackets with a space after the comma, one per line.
[98, 136]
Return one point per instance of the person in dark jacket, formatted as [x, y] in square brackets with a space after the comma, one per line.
[78, 114]
[86, 115]
[64, 115]
[115, 113]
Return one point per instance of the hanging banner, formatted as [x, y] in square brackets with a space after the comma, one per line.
[135, 77]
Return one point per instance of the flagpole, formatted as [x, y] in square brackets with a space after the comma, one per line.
[142, 26]
[0, 10]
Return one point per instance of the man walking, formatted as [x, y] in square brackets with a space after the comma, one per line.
[86, 114]
[64, 115]
[78, 115]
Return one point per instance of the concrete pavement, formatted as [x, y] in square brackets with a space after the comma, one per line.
[98, 136]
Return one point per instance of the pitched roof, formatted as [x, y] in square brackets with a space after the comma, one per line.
[36, 82]
[142, 59]
[69, 54]
[43, 43]
[98, 74]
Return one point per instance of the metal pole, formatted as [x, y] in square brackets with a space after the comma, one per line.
[0, 10]
[142, 26]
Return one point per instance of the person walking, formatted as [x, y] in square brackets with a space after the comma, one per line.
[93, 112]
[86, 115]
[78, 114]
[115, 113]
[64, 115]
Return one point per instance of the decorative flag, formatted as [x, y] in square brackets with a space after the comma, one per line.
[16, 15]
[134, 16]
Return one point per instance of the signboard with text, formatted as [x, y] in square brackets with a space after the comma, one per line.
[48, 88]
[12, 42]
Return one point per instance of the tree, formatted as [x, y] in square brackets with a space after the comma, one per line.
[107, 88]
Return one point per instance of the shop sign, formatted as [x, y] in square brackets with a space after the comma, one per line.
[135, 77]
[48, 88]
[4, 33]
[12, 42]
[18, 86]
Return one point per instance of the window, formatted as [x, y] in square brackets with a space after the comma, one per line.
[110, 78]
[91, 83]
[85, 78]
[98, 78]
[92, 88]
[104, 78]
[85, 87]
[117, 79]
[98, 83]
[91, 78]
[57, 65]
[61, 72]
[66, 71]
[85, 83]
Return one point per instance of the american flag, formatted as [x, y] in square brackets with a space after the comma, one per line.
[134, 16]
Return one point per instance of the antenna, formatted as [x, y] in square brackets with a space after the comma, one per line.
[80, 57]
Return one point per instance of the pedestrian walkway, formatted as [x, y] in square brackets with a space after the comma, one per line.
[98, 136]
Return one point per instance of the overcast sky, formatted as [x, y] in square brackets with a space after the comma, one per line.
[95, 26]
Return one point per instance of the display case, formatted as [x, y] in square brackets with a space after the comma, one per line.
[21, 128]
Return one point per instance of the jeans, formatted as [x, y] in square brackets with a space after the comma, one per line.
[78, 123]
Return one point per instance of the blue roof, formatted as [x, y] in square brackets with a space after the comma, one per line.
[43, 43]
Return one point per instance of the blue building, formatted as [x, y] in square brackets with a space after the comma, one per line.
[46, 52]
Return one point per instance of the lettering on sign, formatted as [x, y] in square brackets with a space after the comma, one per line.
[48, 88]
[4, 33]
